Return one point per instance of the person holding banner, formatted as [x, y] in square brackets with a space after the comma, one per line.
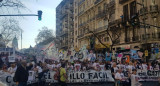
[22, 73]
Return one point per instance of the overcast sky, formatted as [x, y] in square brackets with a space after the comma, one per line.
[31, 25]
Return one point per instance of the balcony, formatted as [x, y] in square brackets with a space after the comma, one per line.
[117, 41]
[153, 8]
[112, 3]
[97, 1]
[92, 18]
[143, 11]
[79, 36]
[136, 38]
[122, 1]
[117, 21]
[100, 28]
[63, 33]
[82, 24]
[101, 14]
[81, 2]
[127, 40]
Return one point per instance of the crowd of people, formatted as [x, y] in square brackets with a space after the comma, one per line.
[123, 70]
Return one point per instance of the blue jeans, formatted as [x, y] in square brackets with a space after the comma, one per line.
[22, 84]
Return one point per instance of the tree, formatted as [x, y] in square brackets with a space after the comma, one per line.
[114, 32]
[9, 29]
[44, 34]
[8, 5]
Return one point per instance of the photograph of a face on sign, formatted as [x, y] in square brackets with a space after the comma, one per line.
[11, 59]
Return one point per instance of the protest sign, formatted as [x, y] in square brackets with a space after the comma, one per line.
[73, 77]
[11, 58]
[89, 76]
[149, 75]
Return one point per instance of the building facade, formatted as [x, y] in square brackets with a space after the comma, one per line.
[144, 35]
[110, 23]
[65, 25]
[94, 17]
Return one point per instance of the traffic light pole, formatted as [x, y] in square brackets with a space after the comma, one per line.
[39, 15]
[21, 15]
[145, 32]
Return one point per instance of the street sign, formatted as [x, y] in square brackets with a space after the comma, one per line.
[146, 52]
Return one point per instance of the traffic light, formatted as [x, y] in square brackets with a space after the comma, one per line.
[134, 21]
[39, 15]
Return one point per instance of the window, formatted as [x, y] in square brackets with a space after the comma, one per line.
[76, 25]
[99, 9]
[125, 12]
[75, 3]
[107, 39]
[105, 6]
[132, 8]
[76, 18]
[153, 2]
[75, 10]
[76, 33]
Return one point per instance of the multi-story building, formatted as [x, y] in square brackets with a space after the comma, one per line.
[93, 22]
[145, 35]
[64, 24]
[94, 17]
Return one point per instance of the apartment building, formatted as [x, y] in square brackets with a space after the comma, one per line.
[93, 21]
[65, 24]
[146, 34]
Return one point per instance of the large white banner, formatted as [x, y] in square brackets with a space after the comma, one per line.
[148, 75]
[90, 76]
[73, 77]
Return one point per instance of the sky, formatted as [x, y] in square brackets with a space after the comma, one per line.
[31, 25]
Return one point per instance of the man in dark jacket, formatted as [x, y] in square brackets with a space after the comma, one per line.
[21, 75]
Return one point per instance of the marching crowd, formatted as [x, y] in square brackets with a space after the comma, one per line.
[123, 69]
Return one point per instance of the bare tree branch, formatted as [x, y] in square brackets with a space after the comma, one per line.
[9, 29]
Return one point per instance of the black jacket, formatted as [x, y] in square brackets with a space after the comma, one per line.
[22, 74]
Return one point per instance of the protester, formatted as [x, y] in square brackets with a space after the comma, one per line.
[21, 74]
[134, 79]
[122, 68]
[12, 69]
[63, 75]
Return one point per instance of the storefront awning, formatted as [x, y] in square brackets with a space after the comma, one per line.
[100, 46]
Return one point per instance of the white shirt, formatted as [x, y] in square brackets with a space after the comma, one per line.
[118, 76]
[115, 69]
[144, 66]
[134, 80]
[157, 67]
[39, 69]
[95, 64]
[50, 66]
[102, 67]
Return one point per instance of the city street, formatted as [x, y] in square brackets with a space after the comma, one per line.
[80, 42]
